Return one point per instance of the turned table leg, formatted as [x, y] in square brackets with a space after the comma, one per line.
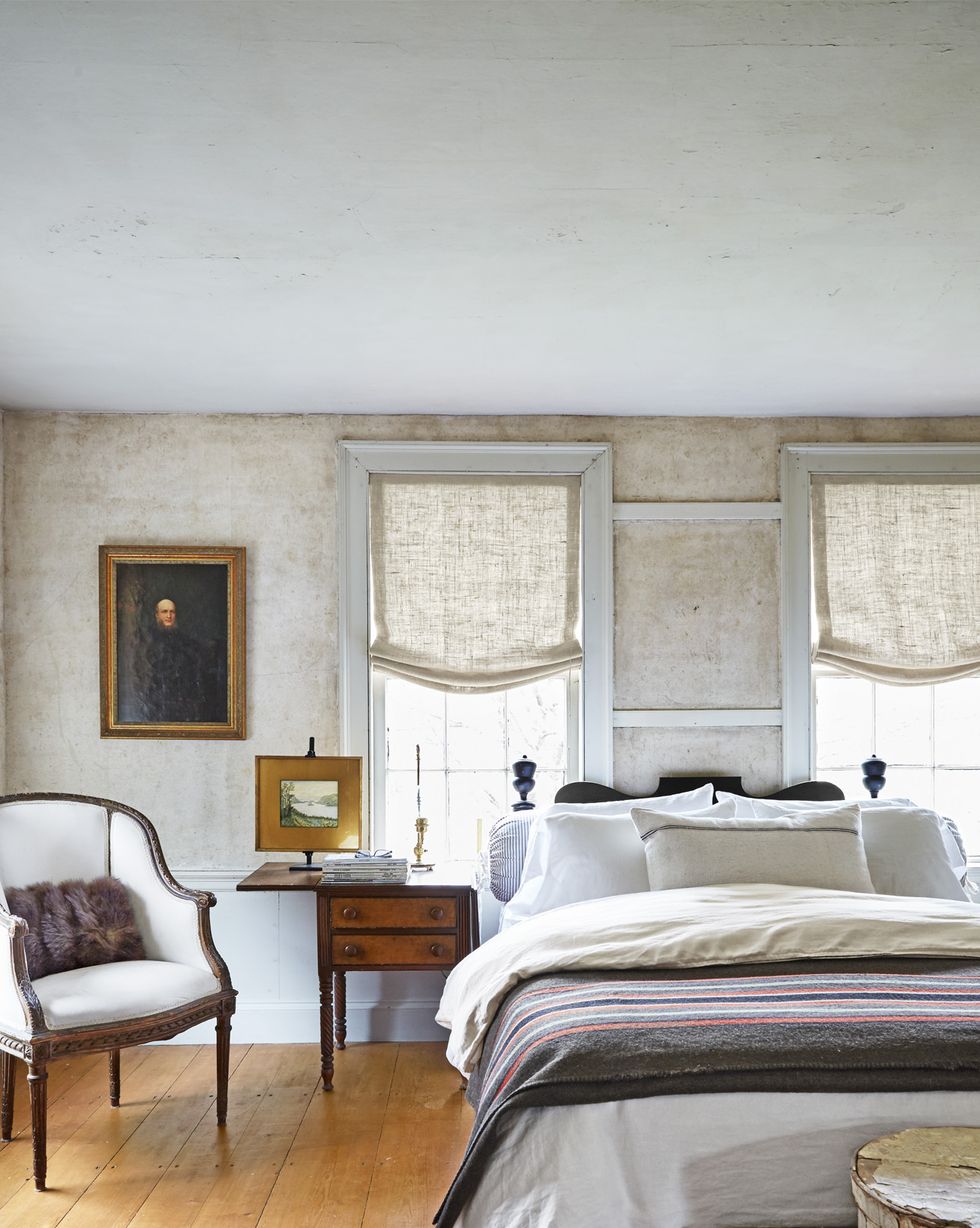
[340, 1008]
[326, 1032]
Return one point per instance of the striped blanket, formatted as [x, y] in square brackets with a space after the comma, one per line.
[814, 1026]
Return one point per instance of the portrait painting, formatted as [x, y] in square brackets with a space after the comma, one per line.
[307, 803]
[172, 641]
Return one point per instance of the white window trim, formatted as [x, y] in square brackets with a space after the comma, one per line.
[799, 461]
[358, 459]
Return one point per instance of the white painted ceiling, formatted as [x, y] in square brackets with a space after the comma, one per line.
[650, 207]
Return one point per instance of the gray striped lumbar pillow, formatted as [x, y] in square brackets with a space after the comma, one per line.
[813, 849]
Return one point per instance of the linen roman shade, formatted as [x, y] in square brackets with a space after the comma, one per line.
[896, 575]
[475, 579]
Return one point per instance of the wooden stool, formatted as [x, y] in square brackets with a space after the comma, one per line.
[919, 1179]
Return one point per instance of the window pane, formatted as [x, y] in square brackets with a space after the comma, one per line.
[473, 796]
[957, 722]
[414, 716]
[546, 785]
[903, 724]
[537, 723]
[475, 731]
[843, 722]
[848, 779]
[400, 812]
[478, 732]
[911, 782]
[958, 795]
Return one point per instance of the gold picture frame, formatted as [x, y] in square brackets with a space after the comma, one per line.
[172, 641]
[308, 804]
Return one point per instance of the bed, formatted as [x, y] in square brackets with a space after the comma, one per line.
[711, 1055]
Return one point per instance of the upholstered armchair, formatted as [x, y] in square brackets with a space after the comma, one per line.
[102, 1008]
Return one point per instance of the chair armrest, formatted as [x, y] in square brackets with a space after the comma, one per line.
[174, 921]
[20, 1010]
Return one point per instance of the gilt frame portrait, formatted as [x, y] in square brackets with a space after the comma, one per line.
[306, 803]
[172, 641]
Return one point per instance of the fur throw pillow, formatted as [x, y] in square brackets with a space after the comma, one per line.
[76, 924]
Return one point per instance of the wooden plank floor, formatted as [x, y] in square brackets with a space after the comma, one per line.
[378, 1152]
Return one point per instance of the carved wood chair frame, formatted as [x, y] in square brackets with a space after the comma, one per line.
[45, 1044]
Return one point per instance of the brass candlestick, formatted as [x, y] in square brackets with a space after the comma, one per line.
[421, 827]
[421, 824]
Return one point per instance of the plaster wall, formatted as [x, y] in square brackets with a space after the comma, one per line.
[696, 604]
[3, 704]
[696, 626]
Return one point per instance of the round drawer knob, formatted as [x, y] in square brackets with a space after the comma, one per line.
[351, 950]
[437, 948]
[349, 914]
[437, 913]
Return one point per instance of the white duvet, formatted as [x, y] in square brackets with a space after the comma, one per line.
[697, 927]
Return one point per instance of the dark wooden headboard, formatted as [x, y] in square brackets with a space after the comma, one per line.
[809, 790]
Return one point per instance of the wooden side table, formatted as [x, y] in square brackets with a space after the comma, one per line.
[927, 1178]
[428, 924]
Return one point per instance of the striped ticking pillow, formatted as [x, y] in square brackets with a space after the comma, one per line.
[810, 849]
[506, 850]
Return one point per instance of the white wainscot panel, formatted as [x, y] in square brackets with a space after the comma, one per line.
[268, 940]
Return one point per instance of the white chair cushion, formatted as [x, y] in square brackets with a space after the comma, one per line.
[132, 989]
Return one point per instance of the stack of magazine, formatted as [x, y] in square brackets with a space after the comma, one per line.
[365, 869]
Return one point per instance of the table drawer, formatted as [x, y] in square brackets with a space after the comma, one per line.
[437, 912]
[365, 950]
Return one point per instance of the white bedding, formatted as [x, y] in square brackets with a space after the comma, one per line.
[697, 927]
[715, 1161]
[751, 1160]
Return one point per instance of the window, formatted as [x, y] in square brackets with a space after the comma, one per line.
[467, 744]
[467, 741]
[926, 734]
[833, 717]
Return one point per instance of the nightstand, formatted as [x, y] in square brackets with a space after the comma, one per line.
[428, 924]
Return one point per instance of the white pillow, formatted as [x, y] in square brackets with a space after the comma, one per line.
[811, 849]
[750, 807]
[536, 859]
[910, 850]
[584, 852]
[674, 803]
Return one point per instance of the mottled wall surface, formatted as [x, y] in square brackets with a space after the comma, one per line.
[752, 753]
[696, 603]
[75, 483]
[3, 688]
[697, 614]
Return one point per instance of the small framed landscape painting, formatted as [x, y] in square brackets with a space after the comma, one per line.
[172, 641]
[307, 804]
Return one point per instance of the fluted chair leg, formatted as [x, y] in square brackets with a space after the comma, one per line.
[114, 1078]
[223, 1048]
[6, 1096]
[37, 1082]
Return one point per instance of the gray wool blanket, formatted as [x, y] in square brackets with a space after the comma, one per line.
[814, 1026]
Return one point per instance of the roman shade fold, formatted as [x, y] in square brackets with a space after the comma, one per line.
[475, 579]
[896, 575]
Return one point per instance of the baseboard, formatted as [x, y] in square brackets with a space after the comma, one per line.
[268, 940]
[298, 1023]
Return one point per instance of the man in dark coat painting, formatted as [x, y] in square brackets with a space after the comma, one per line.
[178, 677]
